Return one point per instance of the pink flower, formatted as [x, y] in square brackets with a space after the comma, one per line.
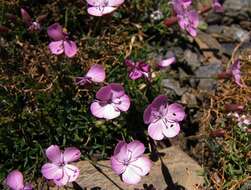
[110, 101]
[128, 160]
[180, 5]
[103, 7]
[32, 25]
[95, 74]
[235, 71]
[137, 69]
[59, 170]
[189, 21]
[61, 43]
[163, 119]
[15, 181]
[217, 7]
[167, 61]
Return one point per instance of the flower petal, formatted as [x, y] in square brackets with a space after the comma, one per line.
[55, 31]
[100, 11]
[70, 48]
[115, 3]
[124, 103]
[54, 154]
[96, 73]
[136, 148]
[104, 93]
[117, 90]
[26, 17]
[141, 166]
[130, 176]
[106, 111]
[72, 172]
[56, 47]
[52, 171]
[71, 154]
[155, 130]
[175, 112]
[135, 74]
[171, 129]
[117, 167]
[28, 187]
[167, 62]
[121, 152]
[15, 180]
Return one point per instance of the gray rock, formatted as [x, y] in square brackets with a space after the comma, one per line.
[192, 59]
[172, 85]
[189, 99]
[206, 72]
[237, 5]
[183, 170]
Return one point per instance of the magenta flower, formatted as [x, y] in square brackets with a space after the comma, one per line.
[129, 162]
[95, 74]
[137, 69]
[61, 42]
[59, 170]
[32, 25]
[189, 21]
[163, 119]
[180, 5]
[110, 101]
[103, 7]
[235, 72]
[15, 181]
[167, 61]
[217, 7]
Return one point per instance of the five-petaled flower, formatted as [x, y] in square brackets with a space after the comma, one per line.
[95, 74]
[59, 170]
[110, 101]
[188, 19]
[102, 7]
[33, 26]
[163, 119]
[61, 42]
[15, 181]
[129, 162]
[137, 69]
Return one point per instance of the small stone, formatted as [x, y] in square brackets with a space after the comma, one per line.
[173, 85]
[189, 99]
[192, 59]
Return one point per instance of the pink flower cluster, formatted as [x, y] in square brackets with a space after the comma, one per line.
[188, 18]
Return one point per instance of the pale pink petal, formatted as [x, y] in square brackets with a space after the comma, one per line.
[96, 73]
[54, 154]
[121, 152]
[106, 111]
[72, 172]
[71, 154]
[55, 31]
[148, 114]
[115, 3]
[70, 48]
[155, 130]
[136, 148]
[182, 21]
[135, 74]
[52, 171]
[175, 112]
[217, 7]
[104, 93]
[144, 66]
[26, 17]
[56, 47]
[159, 101]
[118, 147]
[15, 180]
[167, 62]
[171, 129]
[96, 3]
[130, 176]
[117, 167]
[141, 166]
[100, 11]
[192, 31]
[236, 72]
[186, 3]
[124, 103]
